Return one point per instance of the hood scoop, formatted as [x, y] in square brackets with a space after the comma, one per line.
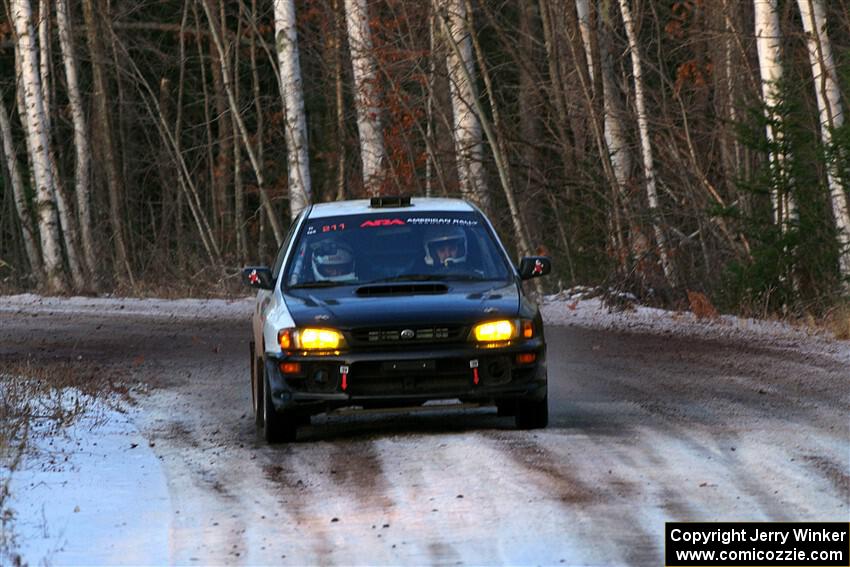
[402, 289]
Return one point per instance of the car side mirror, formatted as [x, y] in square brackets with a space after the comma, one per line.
[259, 277]
[534, 267]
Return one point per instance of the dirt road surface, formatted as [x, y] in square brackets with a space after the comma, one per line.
[645, 429]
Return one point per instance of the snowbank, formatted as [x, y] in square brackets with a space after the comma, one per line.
[91, 492]
[575, 309]
[179, 308]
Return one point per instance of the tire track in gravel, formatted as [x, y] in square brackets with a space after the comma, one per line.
[448, 487]
[553, 476]
[294, 495]
[598, 505]
[357, 469]
[830, 470]
[328, 485]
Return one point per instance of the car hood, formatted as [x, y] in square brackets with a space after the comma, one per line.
[346, 307]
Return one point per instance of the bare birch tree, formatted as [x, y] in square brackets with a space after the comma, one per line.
[21, 203]
[583, 13]
[831, 113]
[68, 225]
[615, 130]
[81, 138]
[646, 145]
[39, 147]
[298, 161]
[369, 124]
[44, 54]
[769, 46]
[469, 146]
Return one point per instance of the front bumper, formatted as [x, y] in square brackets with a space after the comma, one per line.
[388, 378]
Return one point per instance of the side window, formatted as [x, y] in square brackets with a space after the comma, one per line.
[281, 254]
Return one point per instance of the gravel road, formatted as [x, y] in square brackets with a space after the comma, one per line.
[645, 429]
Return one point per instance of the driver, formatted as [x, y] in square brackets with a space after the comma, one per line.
[445, 246]
[333, 262]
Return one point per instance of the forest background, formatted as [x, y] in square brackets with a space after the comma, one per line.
[678, 151]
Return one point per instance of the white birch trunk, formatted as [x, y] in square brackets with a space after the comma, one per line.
[730, 80]
[646, 145]
[372, 150]
[467, 126]
[831, 113]
[21, 206]
[583, 13]
[621, 155]
[81, 138]
[27, 51]
[768, 44]
[613, 126]
[293, 102]
[44, 55]
[68, 225]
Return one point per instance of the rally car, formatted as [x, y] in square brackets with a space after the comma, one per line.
[394, 302]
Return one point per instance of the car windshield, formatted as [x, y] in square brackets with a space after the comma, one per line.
[386, 247]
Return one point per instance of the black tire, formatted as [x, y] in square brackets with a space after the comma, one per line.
[506, 409]
[277, 427]
[256, 388]
[532, 414]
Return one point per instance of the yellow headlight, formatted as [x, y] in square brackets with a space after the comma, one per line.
[495, 331]
[319, 339]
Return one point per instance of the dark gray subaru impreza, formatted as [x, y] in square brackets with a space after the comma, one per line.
[394, 302]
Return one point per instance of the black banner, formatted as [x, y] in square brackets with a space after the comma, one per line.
[762, 544]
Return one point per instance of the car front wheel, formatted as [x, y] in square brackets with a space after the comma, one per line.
[256, 388]
[278, 427]
[532, 414]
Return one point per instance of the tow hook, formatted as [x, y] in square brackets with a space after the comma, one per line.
[474, 365]
[343, 371]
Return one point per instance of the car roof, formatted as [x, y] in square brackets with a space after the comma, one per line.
[362, 206]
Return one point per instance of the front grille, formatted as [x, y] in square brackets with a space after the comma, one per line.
[407, 335]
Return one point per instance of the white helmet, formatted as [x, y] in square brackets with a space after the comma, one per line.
[332, 262]
[445, 236]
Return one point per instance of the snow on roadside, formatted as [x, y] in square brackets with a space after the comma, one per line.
[145, 307]
[575, 309]
[76, 494]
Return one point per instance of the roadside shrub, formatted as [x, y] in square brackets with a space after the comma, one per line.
[701, 306]
[839, 322]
